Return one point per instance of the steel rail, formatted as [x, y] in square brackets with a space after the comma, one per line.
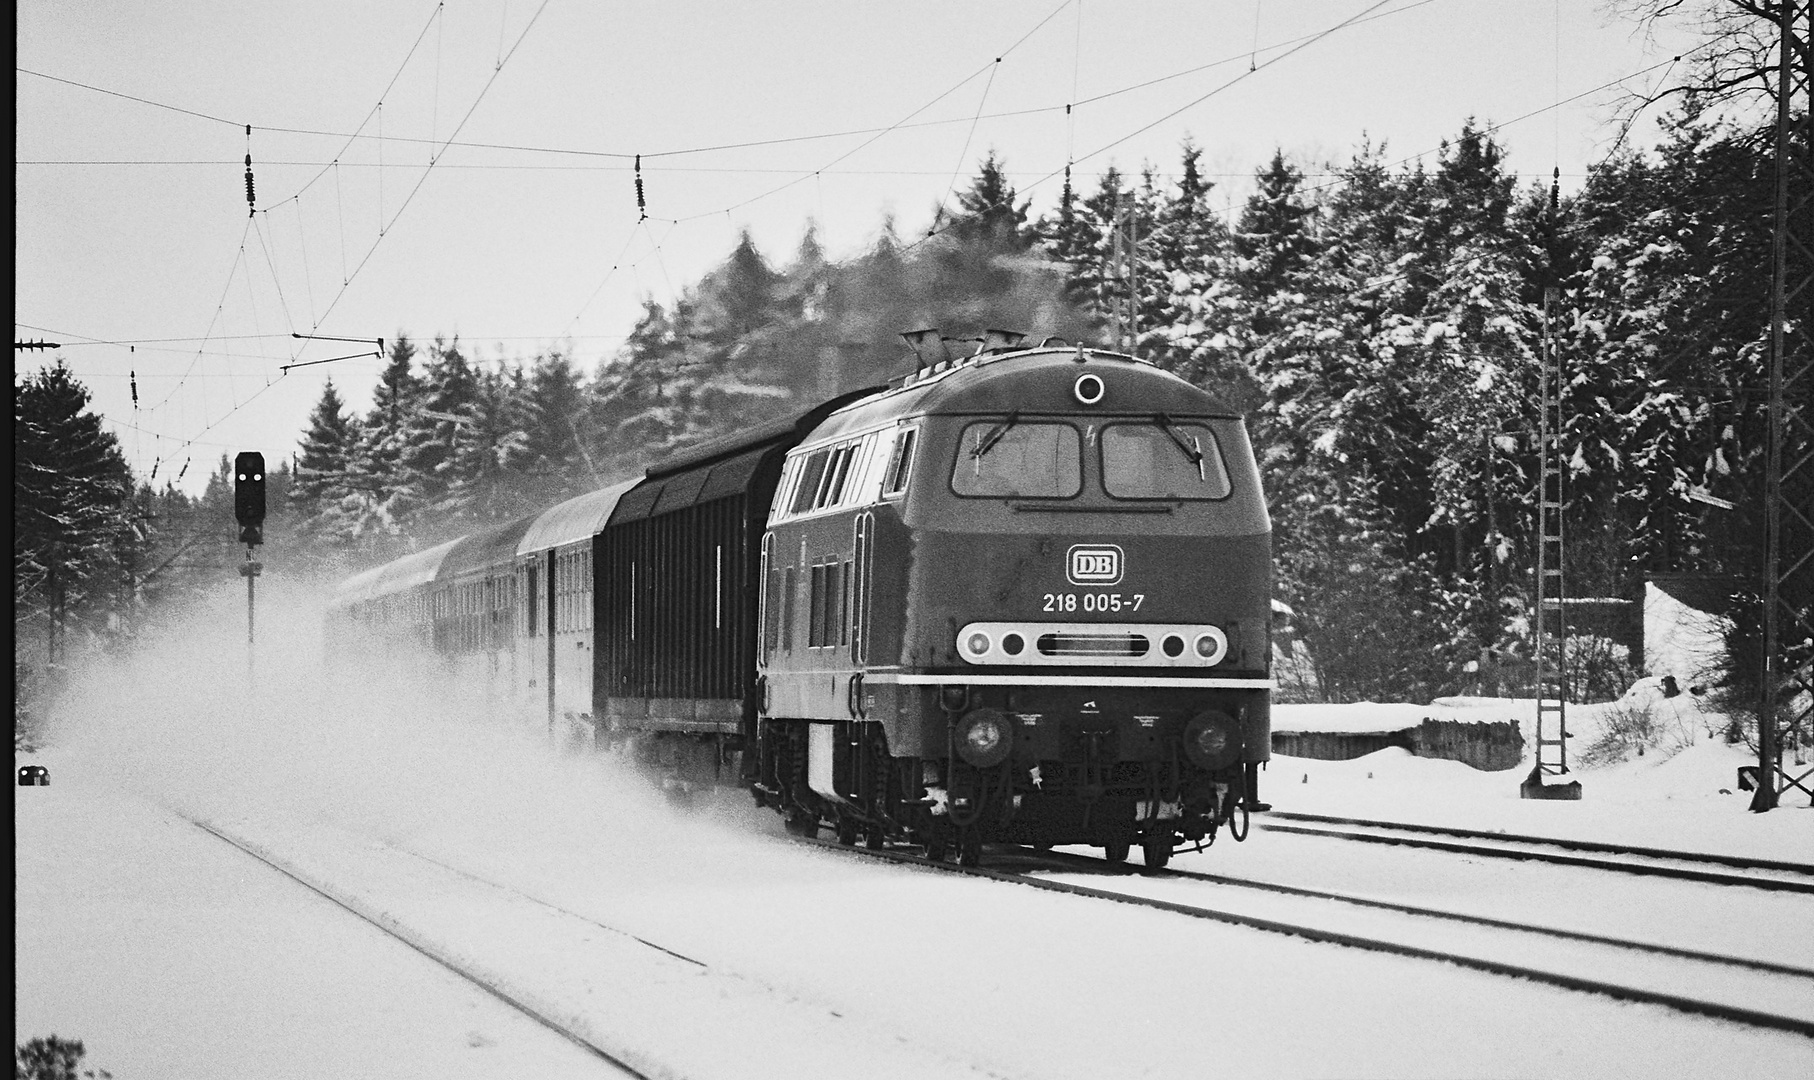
[1766, 966]
[1718, 1010]
[1713, 877]
[423, 948]
[1739, 861]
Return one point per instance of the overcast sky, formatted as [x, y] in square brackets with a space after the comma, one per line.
[135, 249]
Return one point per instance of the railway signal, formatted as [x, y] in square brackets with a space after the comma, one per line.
[249, 509]
[249, 496]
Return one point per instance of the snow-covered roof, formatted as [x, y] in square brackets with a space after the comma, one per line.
[574, 520]
[1372, 717]
[405, 573]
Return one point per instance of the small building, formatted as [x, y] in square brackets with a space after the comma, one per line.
[1481, 732]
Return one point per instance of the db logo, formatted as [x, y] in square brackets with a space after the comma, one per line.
[1094, 564]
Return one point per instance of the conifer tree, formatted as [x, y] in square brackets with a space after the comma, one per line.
[440, 438]
[375, 475]
[986, 211]
[553, 406]
[74, 536]
[322, 487]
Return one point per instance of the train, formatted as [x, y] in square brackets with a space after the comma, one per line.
[1018, 595]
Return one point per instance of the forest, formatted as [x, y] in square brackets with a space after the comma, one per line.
[1379, 321]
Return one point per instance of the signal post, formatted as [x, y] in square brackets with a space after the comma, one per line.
[249, 510]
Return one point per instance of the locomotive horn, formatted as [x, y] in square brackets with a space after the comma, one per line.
[994, 340]
[922, 340]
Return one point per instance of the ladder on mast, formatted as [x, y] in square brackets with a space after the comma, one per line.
[1550, 626]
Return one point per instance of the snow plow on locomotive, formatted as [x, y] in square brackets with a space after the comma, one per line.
[1021, 596]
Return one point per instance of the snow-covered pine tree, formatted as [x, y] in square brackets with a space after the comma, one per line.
[1080, 235]
[438, 441]
[1194, 292]
[374, 481]
[73, 530]
[322, 485]
[553, 408]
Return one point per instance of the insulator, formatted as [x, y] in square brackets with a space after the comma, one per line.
[251, 198]
[641, 206]
[135, 388]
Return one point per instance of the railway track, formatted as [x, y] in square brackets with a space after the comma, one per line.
[433, 951]
[1767, 874]
[642, 1018]
[1735, 989]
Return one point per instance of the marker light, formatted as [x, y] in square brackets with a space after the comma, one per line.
[1212, 645]
[978, 644]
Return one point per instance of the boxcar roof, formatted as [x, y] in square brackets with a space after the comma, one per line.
[788, 429]
[408, 572]
[492, 549]
[703, 484]
[574, 520]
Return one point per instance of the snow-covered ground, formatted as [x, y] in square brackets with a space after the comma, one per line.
[168, 952]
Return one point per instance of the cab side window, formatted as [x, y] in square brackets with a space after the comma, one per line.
[900, 464]
[806, 489]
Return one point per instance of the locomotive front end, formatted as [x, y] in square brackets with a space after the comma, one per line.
[1088, 617]
[1062, 616]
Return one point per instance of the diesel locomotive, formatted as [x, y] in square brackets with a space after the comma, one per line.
[1021, 595]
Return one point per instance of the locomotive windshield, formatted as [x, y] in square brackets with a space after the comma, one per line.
[1019, 460]
[1162, 460]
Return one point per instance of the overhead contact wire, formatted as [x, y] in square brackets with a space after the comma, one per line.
[963, 155]
[407, 199]
[990, 67]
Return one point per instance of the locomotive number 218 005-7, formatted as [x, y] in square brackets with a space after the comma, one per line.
[1093, 601]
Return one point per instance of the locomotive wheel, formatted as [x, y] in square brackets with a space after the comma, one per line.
[969, 847]
[873, 837]
[801, 823]
[936, 847]
[1115, 852]
[847, 831]
[1157, 850]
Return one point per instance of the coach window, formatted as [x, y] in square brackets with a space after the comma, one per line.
[1162, 460]
[900, 464]
[1009, 458]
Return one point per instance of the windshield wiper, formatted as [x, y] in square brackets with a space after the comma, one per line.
[1191, 449]
[987, 442]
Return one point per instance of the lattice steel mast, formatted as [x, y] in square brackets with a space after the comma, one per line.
[1786, 705]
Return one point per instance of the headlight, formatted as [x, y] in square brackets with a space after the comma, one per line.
[1212, 646]
[978, 644]
[984, 737]
[1211, 741]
